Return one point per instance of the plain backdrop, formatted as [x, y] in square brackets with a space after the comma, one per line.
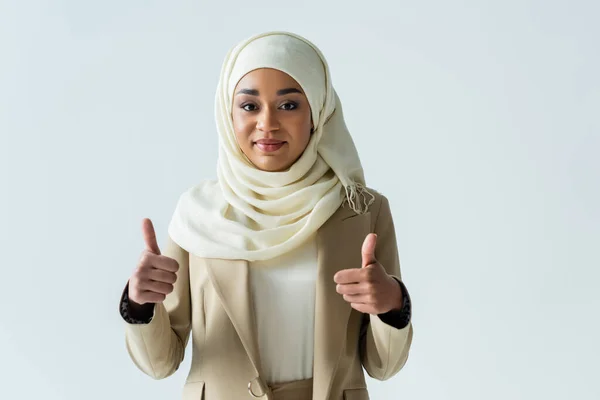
[478, 120]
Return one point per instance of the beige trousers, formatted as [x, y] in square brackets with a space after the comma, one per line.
[295, 390]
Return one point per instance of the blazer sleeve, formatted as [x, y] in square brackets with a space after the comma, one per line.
[384, 348]
[156, 346]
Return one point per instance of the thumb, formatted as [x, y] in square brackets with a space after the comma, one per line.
[368, 250]
[150, 236]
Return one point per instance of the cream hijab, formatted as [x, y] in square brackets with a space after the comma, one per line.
[252, 214]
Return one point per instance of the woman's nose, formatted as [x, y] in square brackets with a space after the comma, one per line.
[267, 121]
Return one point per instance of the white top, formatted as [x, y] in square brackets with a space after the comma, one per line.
[283, 292]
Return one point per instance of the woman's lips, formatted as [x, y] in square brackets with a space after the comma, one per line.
[268, 145]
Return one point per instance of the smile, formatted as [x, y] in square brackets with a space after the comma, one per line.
[269, 145]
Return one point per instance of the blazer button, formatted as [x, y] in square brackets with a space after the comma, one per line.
[261, 386]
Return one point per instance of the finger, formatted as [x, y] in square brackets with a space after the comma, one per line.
[364, 308]
[151, 297]
[360, 298]
[161, 275]
[354, 288]
[156, 287]
[368, 250]
[149, 260]
[345, 276]
[165, 263]
[370, 274]
[149, 236]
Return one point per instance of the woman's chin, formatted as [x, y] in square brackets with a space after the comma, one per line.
[273, 163]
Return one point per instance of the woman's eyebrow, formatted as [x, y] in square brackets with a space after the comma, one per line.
[251, 92]
[281, 92]
[288, 91]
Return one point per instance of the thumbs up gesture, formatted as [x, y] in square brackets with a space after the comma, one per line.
[369, 289]
[155, 274]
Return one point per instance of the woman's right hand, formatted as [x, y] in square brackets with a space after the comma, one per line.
[155, 274]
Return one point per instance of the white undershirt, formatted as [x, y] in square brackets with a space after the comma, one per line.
[283, 291]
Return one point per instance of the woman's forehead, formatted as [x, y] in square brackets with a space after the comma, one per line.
[267, 79]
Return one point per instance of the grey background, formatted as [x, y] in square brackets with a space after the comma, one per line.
[478, 120]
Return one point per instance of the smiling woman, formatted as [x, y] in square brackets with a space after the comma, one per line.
[271, 118]
[284, 269]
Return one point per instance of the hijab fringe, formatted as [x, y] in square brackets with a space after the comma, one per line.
[357, 197]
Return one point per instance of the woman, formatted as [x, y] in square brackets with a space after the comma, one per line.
[285, 269]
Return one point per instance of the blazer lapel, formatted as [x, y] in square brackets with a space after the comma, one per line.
[230, 278]
[339, 243]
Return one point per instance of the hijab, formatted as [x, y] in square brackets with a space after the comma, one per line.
[251, 214]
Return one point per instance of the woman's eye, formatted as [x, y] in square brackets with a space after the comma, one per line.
[249, 107]
[288, 106]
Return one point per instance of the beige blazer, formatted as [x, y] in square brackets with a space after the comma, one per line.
[211, 299]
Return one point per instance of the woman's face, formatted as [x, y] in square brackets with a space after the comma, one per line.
[271, 118]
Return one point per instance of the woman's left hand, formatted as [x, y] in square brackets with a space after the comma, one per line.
[369, 289]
